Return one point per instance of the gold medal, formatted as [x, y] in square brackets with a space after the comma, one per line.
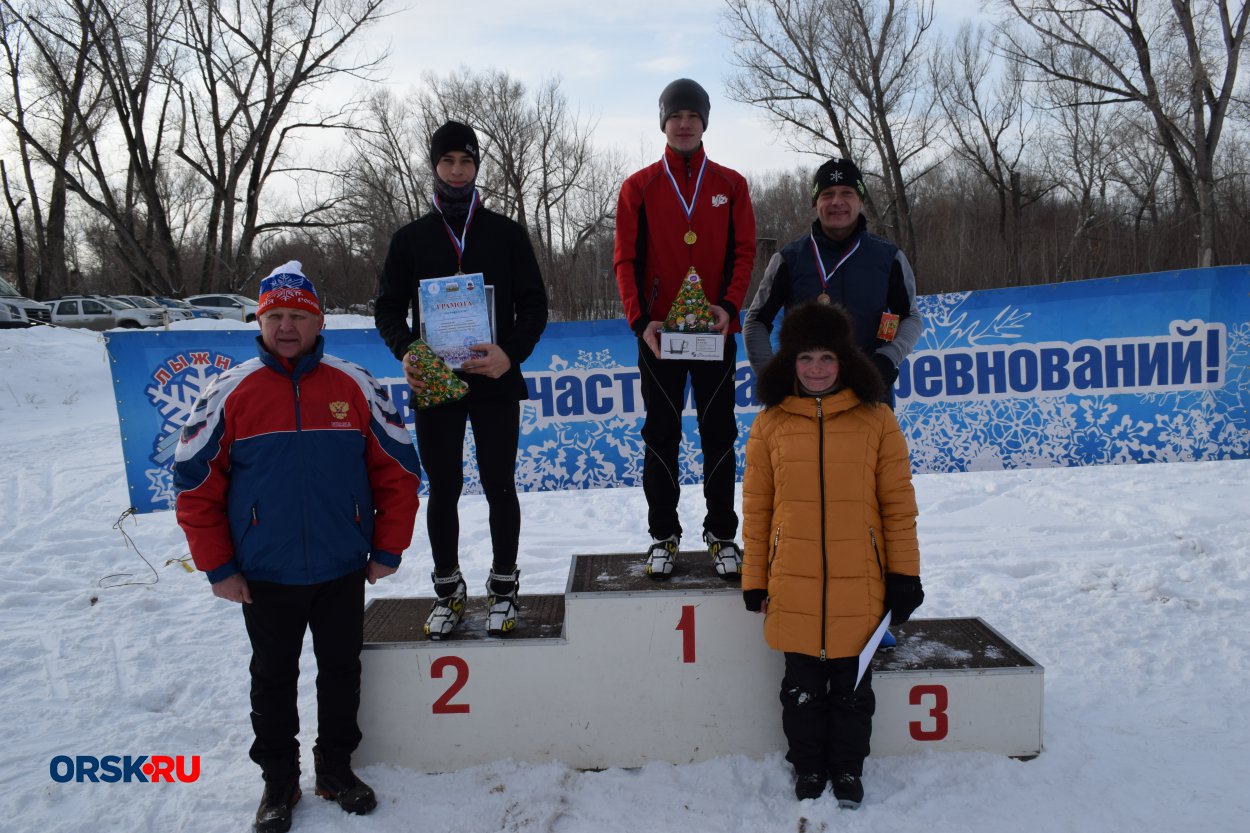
[823, 298]
[691, 238]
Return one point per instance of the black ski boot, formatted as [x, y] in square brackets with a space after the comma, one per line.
[276, 803]
[336, 782]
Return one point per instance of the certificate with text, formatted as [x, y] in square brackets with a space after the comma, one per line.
[455, 314]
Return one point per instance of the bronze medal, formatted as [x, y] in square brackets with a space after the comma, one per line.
[691, 238]
[823, 298]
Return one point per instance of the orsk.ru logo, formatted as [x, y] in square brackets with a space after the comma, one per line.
[111, 769]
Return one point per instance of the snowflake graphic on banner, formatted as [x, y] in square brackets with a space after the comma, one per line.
[177, 384]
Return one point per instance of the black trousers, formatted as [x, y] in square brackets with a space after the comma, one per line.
[440, 441]
[663, 396]
[827, 721]
[276, 620]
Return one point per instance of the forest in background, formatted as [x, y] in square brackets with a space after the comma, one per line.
[163, 146]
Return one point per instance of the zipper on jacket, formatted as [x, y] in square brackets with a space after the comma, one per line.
[356, 506]
[824, 561]
[255, 520]
[773, 554]
[872, 536]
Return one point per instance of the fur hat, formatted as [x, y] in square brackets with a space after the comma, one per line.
[816, 326]
[838, 172]
[454, 135]
[286, 286]
[684, 94]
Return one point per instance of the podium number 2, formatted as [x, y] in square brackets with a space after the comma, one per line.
[937, 712]
[686, 625]
[460, 676]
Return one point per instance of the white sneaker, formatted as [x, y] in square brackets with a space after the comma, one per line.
[661, 556]
[726, 556]
[448, 609]
[501, 617]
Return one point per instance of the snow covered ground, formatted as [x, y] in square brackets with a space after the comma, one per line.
[1129, 584]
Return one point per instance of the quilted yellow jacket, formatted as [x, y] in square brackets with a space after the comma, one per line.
[828, 509]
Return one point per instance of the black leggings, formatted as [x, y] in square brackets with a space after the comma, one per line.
[663, 385]
[440, 440]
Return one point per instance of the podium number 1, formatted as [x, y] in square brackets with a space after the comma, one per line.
[686, 625]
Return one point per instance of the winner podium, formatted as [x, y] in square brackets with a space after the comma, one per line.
[622, 670]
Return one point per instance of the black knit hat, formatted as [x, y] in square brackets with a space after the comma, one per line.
[454, 136]
[837, 172]
[684, 94]
[817, 326]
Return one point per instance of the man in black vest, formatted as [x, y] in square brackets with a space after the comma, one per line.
[839, 262]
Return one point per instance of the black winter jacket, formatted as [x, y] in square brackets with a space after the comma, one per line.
[497, 247]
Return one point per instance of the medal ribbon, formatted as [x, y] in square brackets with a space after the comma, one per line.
[698, 183]
[458, 243]
[820, 263]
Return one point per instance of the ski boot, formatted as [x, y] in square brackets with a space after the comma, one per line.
[501, 601]
[848, 790]
[276, 804]
[726, 556]
[661, 556]
[336, 782]
[448, 607]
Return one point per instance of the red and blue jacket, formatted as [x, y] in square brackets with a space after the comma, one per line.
[295, 474]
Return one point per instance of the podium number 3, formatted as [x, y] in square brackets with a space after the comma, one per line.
[460, 676]
[937, 712]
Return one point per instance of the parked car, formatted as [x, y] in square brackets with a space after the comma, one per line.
[228, 304]
[78, 311]
[144, 302]
[98, 312]
[17, 311]
[188, 310]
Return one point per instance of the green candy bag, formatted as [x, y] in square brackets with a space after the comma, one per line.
[441, 384]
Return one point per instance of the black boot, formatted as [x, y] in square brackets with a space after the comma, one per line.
[276, 804]
[849, 790]
[336, 782]
[809, 785]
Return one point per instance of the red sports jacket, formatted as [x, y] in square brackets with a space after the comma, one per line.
[651, 255]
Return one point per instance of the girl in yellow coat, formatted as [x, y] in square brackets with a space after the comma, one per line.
[830, 531]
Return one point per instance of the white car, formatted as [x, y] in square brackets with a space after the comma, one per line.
[97, 312]
[16, 311]
[239, 307]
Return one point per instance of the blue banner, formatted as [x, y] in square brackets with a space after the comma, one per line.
[1120, 370]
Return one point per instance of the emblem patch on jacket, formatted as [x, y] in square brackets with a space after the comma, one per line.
[339, 410]
[720, 199]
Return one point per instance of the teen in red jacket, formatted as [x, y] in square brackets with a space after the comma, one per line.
[685, 213]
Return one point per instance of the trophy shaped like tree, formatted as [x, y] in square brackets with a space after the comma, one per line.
[441, 384]
[690, 312]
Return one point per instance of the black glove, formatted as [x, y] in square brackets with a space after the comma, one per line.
[754, 599]
[903, 594]
[885, 367]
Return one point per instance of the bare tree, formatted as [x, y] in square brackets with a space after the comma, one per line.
[991, 127]
[1177, 60]
[255, 67]
[61, 65]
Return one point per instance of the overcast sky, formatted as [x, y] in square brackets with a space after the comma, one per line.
[613, 59]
